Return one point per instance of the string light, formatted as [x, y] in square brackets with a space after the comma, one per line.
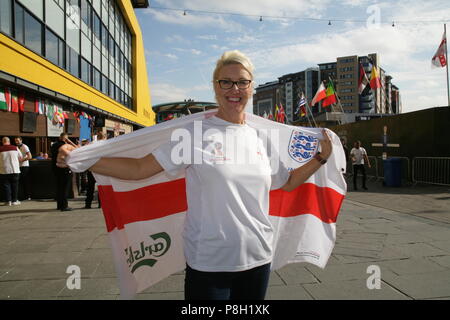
[296, 18]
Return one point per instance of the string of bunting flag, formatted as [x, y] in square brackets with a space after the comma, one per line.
[12, 100]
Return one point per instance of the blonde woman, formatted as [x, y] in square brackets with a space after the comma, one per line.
[227, 234]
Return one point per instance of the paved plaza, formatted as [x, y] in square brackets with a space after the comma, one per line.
[404, 233]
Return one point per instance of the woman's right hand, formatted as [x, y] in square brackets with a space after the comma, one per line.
[63, 152]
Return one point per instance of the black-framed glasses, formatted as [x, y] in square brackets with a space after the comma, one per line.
[228, 84]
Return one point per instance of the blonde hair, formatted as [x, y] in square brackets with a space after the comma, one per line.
[233, 57]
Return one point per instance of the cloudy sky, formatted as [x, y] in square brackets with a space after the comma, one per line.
[181, 50]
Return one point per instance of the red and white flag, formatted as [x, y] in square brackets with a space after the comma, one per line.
[363, 80]
[320, 94]
[145, 218]
[440, 59]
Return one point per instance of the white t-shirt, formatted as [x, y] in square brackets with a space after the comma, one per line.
[358, 154]
[227, 224]
[9, 159]
[24, 150]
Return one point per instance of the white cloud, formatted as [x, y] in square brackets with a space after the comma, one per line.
[165, 92]
[207, 37]
[171, 56]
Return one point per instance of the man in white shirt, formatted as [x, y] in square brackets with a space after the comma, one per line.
[9, 172]
[359, 157]
[24, 167]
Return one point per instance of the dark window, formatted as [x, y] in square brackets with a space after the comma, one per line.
[33, 33]
[86, 13]
[73, 62]
[54, 49]
[97, 79]
[97, 29]
[6, 17]
[105, 86]
[104, 36]
[86, 71]
[111, 90]
[51, 46]
[111, 45]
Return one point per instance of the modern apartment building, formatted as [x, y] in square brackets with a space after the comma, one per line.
[286, 92]
[85, 57]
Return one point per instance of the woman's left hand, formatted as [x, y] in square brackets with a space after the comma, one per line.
[325, 145]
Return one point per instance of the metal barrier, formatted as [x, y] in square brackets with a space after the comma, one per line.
[433, 170]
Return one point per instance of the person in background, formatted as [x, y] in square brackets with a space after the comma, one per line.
[82, 179]
[24, 179]
[91, 181]
[63, 176]
[40, 156]
[10, 157]
[359, 158]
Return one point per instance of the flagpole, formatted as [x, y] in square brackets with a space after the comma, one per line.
[446, 57]
[339, 104]
[310, 112]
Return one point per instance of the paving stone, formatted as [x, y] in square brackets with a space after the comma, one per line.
[93, 287]
[407, 238]
[422, 286]
[443, 245]
[352, 290]
[160, 296]
[344, 272]
[296, 273]
[419, 250]
[437, 235]
[174, 283]
[442, 261]
[290, 292]
[411, 266]
[32, 289]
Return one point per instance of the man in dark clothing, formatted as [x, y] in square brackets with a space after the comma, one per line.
[63, 176]
[91, 181]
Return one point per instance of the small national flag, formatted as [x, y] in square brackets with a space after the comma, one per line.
[331, 96]
[21, 101]
[277, 113]
[4, 97]
[375, 79]
[440, 59]
[363, 80]
[281, 115]
[265, 115]
[320, 94]
[301, 110]
[14, 101]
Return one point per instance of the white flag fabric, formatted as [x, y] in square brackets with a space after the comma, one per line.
[440, 59]
[145, 218]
